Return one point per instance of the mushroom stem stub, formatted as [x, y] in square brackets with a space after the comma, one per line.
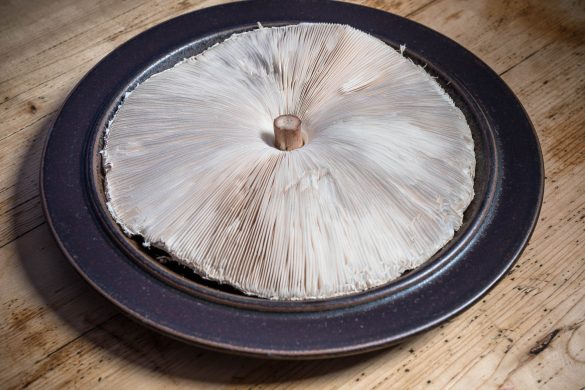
[287, 132]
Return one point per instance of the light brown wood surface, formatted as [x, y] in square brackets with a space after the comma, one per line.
[529, 332]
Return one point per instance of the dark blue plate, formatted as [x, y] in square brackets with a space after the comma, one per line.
[497, 225]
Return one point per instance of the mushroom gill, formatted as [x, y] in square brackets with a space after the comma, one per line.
[377, 185]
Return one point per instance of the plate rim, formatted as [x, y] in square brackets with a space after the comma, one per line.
[211, 19]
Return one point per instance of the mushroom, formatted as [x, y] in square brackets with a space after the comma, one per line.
[296, 162]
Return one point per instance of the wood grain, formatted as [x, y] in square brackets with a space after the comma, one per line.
[529, 332]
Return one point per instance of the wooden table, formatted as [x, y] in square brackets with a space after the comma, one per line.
[529, 332]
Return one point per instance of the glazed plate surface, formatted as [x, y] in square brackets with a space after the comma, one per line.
[496, 228]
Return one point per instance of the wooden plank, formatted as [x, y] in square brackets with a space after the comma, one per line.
[527, 333]
[44, 303]
[503, 33]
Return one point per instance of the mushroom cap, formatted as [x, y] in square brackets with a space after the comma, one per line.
[379, 186]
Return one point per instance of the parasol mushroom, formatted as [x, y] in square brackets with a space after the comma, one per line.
[296, 162]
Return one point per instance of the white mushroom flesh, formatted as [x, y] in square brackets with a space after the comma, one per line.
[379, 186]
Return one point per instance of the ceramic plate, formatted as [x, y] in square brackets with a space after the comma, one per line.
[497, 225]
